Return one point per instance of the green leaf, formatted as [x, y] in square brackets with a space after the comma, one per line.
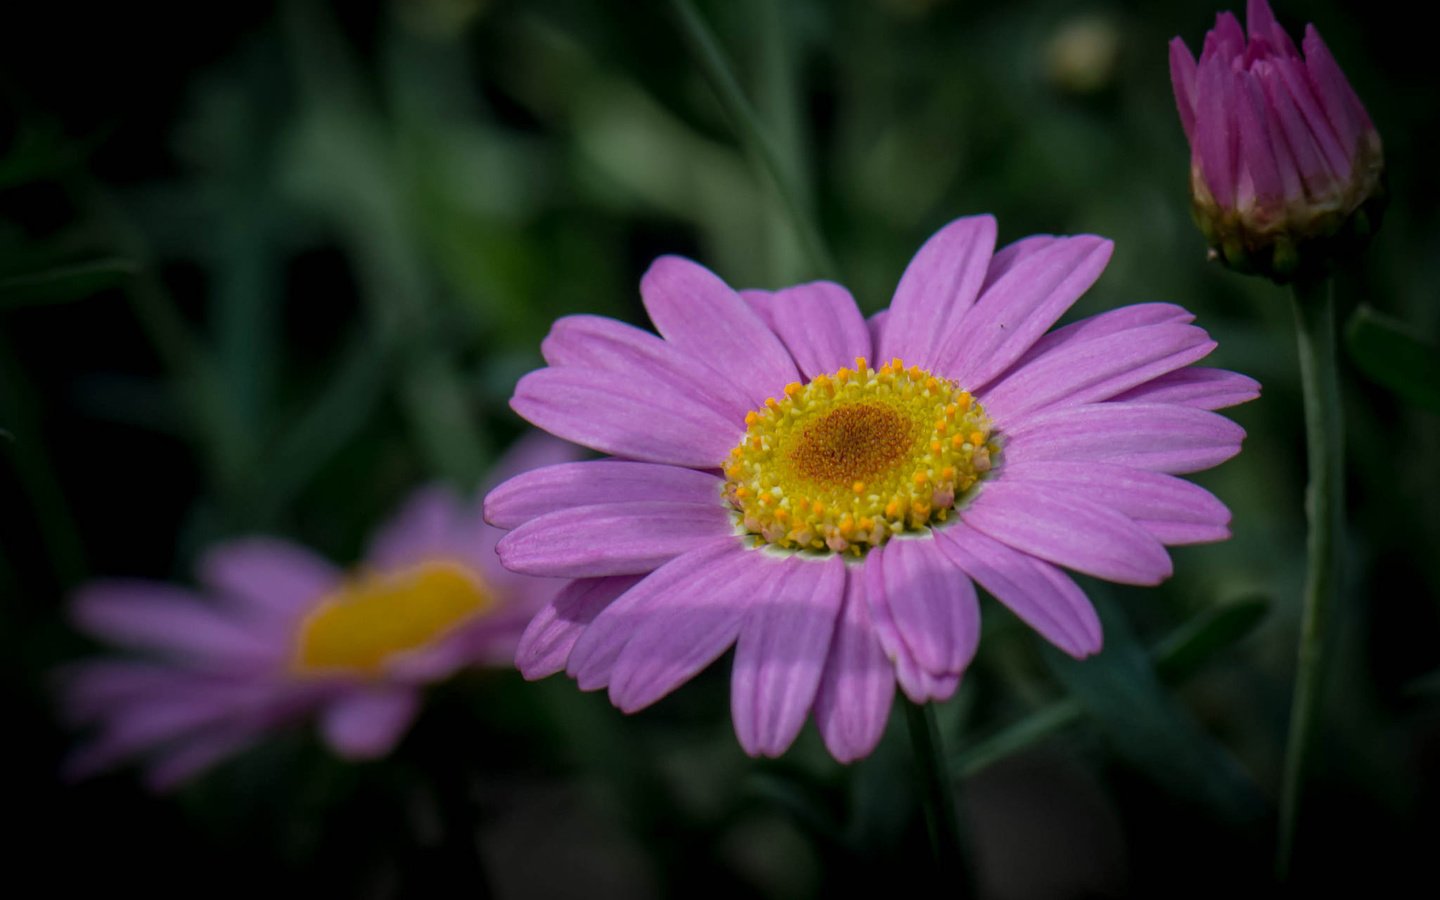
[1188, 648]
[1121, 691]
[1392, 355]
[65, 283]
[1038, 726]
[1176, 657]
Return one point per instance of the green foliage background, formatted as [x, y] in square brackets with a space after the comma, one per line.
[266, 267]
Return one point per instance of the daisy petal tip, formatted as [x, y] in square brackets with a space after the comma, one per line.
[753, 741]
[984, 224]
[631, 695]
[845, 750]
[510, 557]
[492, 512]
[1100, 249]
[367, 726]
[978, 224]
[523, 400]
[1159, 575]
[535, 661]
[675, 273]
[587, 680]
[537, 672]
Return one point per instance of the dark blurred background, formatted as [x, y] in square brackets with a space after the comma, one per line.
[264, 267]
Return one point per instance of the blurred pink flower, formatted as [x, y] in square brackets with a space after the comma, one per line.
[280, 635]
[1283, 157]
[832, 522]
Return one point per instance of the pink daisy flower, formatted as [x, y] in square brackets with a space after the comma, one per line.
[280, 635]
[773, 489]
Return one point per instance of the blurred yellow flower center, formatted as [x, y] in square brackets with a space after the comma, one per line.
[845, 462]
[377, 615]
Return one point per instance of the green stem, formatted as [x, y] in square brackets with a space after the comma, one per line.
[195, 377]
[373, 213]
[941, 817]
[1314, 306]
[752, 132]
[777, 101]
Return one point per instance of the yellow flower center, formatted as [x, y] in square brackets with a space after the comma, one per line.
[377, 615]
[849, 460]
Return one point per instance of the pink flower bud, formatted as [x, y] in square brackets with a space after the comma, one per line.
[1286, 167]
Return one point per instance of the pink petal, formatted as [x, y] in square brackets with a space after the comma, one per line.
[93, 689]
[368, 723]
[1226, 40]
[546, 644]
[595, 343]
[852, 704]
[781, 653]
[158, 617]
[938, 288]
[682, 621]
[1089, 371]
[268, 575]
[1044, 597]
[1115, 321]
[1021, 306]
[932, 605]
[762, 302]
[431, 522]
[532, 450]
[1007, 256]
[613, 539]
[1069, 531]
[701, 573]
[919, 684]
[876, 326]
[1195, 386]
[821, 327]
[1155, 436]
[1217, 136]
[1259, 19]
[556, 488]
[1342, 105]
[1287, 120]
[1154, 501]
[178, 712]
[1182, 79]
[1301, 89]
[700, 314]
[630, 417]
[1259, 155]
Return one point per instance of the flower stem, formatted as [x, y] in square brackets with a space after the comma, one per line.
[941, 818]
[752, 131]
[1314, 305]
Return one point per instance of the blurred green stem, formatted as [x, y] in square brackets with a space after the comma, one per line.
[247, 297]
[757, 139]
[368, 198]
[59, 532]
[228, 448]
[941, 817]
[778, 104]
[1314, 305]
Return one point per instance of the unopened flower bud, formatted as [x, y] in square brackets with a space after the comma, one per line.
[1286, 168]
